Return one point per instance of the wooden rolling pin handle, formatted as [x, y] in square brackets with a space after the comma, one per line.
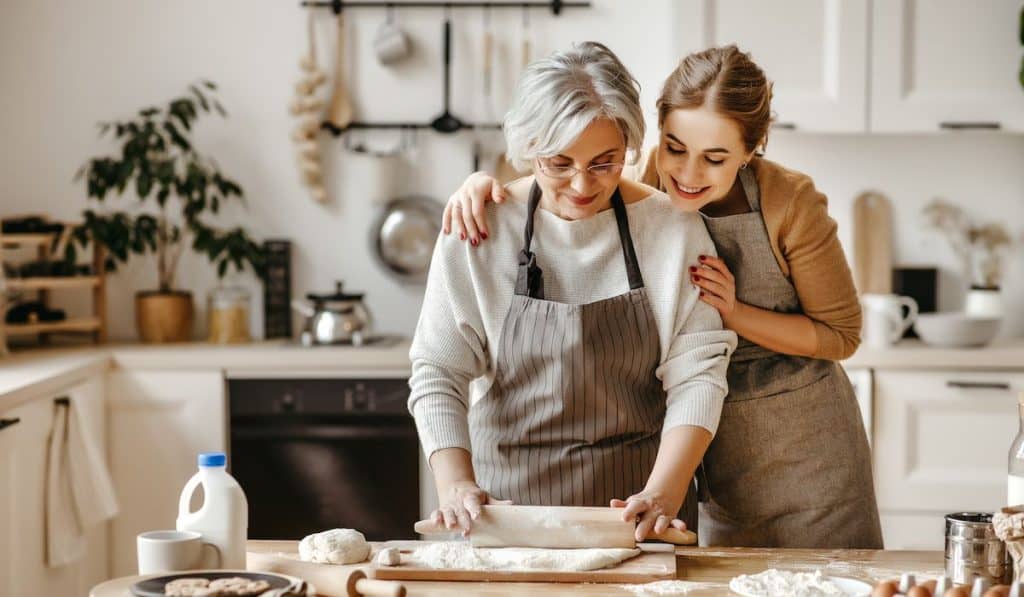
[358, 584]
[379, 588]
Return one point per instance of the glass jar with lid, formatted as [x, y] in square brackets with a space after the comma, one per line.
[228, 315]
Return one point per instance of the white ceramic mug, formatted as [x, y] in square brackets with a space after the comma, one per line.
[171, 551]
[884, 321]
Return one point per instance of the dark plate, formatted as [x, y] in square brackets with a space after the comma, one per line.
[154, 587]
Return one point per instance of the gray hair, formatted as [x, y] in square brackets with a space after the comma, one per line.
[559, 96]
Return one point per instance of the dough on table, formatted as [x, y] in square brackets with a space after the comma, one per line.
[336, 546]
[389, 556]
[459, 555]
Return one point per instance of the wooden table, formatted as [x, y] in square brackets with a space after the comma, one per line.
[709, 569]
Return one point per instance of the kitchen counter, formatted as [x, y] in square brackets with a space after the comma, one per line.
[38, 371]
[914, 354]
[705, 571]
[35, 371]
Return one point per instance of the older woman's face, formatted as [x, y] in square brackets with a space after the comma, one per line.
[579, 182]
[699, 154]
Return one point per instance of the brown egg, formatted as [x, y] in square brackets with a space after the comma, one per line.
[919, 591]
[998, 591]
[958, 592]
[885, 589]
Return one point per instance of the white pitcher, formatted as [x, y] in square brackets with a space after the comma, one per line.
[884, 321]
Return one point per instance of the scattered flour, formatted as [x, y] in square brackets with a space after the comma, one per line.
[780, 583]
[668, 587]
[459, 555]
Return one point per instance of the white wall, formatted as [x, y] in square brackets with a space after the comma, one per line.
[66, 65]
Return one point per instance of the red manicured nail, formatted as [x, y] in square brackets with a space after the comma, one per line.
[462, 236]
[701, 293]
[483, 235]
[474, 242]
[702, 257]
[693, 268]
[696, 278]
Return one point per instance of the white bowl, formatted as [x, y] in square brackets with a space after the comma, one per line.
[956, 329]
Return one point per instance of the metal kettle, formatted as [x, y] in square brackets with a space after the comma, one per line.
[337, 318]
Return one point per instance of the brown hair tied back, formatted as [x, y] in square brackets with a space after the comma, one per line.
[728, 82]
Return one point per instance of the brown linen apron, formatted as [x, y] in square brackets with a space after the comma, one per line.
[574, 415]
[790, 465]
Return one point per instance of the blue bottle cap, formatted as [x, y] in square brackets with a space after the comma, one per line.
[212, 459]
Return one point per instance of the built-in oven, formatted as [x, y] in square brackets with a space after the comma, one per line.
[320, 453]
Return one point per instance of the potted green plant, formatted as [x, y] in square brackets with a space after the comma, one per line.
[175, 191]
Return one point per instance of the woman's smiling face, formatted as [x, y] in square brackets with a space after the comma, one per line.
[579, 181]
[699, 153]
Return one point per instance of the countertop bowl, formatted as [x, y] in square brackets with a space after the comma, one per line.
[956, 329]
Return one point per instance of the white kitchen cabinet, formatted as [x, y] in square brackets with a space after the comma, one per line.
[23, 466]
[897, 66]
[945, 63]
[940, 445]
[159, 421]
[815, 52]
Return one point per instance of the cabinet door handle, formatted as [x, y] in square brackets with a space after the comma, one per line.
[5, 423]
[978, 385]
[966, 126]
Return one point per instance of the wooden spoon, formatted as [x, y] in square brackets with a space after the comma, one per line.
[339, 113]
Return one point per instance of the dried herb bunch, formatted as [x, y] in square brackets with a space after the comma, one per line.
[981, 247]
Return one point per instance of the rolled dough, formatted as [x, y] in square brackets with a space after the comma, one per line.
[459, 555]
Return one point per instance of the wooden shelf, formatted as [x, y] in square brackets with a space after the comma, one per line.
[58, 282]
[79, 324]
[21, 240]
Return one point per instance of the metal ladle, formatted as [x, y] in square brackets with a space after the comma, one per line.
[447, 122]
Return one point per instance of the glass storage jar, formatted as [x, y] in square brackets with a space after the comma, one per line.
[228, 315]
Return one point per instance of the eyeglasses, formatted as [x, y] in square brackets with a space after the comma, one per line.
[566, 172]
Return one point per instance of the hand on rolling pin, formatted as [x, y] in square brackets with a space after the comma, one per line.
[460, 505]
[650, 509]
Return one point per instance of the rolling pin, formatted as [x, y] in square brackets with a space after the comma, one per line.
[555, 527]
[329, 580]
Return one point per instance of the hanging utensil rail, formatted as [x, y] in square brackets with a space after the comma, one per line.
[337, 6]
[446, 123]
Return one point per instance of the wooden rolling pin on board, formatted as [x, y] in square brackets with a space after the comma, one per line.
[554, 527]
[330, 580]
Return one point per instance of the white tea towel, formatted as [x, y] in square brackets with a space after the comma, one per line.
[79, 491]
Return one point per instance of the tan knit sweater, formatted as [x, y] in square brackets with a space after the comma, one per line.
[804, 240]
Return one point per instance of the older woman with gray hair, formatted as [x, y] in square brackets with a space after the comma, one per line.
[597, 376]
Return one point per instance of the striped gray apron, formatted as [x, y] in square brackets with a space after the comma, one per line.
[574, 415]
[790, 465]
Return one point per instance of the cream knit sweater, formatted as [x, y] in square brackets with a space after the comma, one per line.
[470, 288]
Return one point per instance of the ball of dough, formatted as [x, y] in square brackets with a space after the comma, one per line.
[389, 556]
[336, 546]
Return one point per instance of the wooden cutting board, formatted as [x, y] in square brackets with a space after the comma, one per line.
[872, 243]
[657, 562]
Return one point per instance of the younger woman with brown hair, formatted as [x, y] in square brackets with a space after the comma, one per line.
[789, 465]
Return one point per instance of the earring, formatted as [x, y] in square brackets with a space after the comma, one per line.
[743, 166]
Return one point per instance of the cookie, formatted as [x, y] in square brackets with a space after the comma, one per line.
[190, 587]
[238, 586]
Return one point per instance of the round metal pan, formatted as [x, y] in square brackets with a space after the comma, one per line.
[404, 235]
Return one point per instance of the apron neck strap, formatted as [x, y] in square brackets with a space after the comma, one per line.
[530, 277]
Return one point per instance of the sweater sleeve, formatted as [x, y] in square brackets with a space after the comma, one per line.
[693, 371]
[449, 350]
[820, 273]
